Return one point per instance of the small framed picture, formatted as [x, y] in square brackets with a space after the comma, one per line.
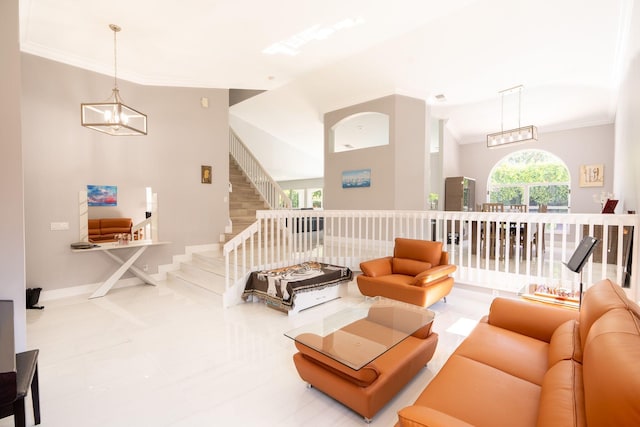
[592, 175]
[205, 174]
[356, 178]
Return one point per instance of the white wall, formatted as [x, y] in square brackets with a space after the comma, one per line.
[582, 146]
[451, 156]
[61, 158]
[627, 146]
[12, 244]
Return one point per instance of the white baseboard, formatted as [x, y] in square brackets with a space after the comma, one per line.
[89, 288]
[74, 291]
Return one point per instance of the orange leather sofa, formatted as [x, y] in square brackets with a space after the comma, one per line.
[530, 364]
[417, 273]
[368, 389]
[105, 229]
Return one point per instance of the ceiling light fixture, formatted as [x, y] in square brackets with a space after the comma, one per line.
[112, 116]
[512, 136]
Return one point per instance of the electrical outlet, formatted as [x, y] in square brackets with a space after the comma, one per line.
[57, 226]
[145, 267]
[495, 293]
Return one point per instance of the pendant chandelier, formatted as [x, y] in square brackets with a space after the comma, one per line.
[512, 136]
[112, 116]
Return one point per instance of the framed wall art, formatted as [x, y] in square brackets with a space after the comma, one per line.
[102, 195]
[356, 178]
[592, 175]
[205, 174]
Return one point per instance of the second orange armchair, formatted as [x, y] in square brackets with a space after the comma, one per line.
[418, 273]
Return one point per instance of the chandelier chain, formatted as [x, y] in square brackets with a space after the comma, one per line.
[115, 59]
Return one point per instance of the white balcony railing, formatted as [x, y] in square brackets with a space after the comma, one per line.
[499, 251]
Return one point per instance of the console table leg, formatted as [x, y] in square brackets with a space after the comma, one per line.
[108, 284]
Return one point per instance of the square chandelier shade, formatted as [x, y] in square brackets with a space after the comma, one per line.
[114, 118]
[512, 136]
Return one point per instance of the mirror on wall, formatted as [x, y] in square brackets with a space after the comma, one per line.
[139, 204]
[360, 130]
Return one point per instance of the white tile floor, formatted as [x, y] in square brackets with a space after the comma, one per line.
[171, 356]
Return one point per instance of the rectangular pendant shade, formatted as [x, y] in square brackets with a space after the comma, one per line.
[512, 136]
[113, 118]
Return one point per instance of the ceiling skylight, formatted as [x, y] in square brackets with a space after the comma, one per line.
[293, 44]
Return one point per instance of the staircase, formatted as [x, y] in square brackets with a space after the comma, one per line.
[206, 269]
[203, 269]
[244, 200]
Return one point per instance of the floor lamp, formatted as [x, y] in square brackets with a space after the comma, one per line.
[580, 257]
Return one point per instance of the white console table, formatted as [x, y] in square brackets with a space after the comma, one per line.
[109, 249]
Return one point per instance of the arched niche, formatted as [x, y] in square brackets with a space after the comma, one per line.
[361, 130]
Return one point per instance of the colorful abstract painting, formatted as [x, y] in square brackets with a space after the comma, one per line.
[102, 195]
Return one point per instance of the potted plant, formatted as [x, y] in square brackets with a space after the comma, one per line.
[433, 201]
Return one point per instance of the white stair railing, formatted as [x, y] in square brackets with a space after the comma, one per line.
[142, 230]
[261, 180]
[284, 237]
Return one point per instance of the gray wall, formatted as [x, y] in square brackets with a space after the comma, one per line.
[399, 171]
[61, 158]
[12, 242]
[582, 146]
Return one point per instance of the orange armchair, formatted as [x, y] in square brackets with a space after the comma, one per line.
[418, 273]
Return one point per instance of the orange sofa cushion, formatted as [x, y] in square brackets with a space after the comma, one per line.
[410, 267]
[421, 250]
[565, 343]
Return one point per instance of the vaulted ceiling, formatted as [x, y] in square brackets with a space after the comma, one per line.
[312, 57]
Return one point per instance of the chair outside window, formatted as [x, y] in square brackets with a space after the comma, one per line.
[493, 233]
[519, 208]
[538, 240]
[492, 207]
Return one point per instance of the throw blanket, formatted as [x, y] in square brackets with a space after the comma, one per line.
[279, 286]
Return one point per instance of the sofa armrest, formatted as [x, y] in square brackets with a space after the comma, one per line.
[433, 274]
[444, 258]
[422, 416]
[536, 320]
[377, 267]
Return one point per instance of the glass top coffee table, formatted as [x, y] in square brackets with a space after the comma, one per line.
[357, 335]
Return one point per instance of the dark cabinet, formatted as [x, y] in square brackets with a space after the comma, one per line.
[612, 242]
[459, 194]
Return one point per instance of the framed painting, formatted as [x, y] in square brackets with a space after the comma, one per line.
[592, 175]
[205, 174]
[356, 178]
[102, 195]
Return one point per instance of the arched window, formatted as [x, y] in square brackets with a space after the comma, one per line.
[531, 177]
